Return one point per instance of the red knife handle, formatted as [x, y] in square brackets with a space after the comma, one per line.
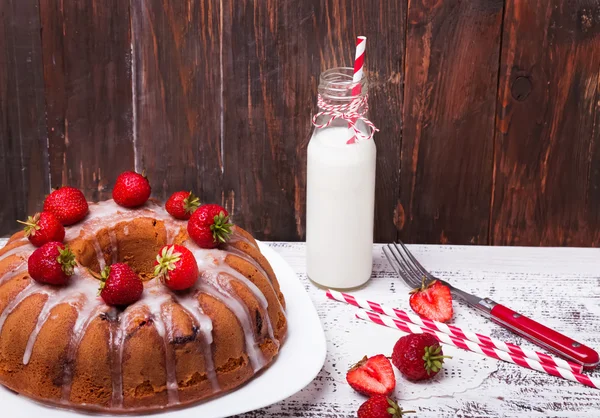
[544, 336]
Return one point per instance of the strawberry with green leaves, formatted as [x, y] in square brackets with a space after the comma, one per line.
[209, 226]
[176, 267]
[418, 356]
[42, 228]
[52, 263]
[182, 204]
[380, 406]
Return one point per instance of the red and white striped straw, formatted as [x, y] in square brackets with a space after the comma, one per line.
[359, 61]
[480, 349]
[455, 331]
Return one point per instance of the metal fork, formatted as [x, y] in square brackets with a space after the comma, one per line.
[412, 272]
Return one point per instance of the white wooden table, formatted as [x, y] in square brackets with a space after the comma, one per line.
[558, 286]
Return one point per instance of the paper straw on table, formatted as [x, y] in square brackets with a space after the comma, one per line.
[476, 348]
[455, 331]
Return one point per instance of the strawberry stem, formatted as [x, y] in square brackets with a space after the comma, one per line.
[166, 262]
[396, 411]
[424, 286]
[360, 363]
[66, 259]
[221, 228]
[94, 274]
[434, 359]
[31, 225]
[191, 203]
[103, 278]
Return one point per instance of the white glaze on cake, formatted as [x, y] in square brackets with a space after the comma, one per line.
[114, 249]
[81, 293]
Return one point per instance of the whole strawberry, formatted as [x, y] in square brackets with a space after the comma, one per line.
[418, 356]
[68, 204]
[42, 228]
[432, 300]
[52, 263]
[120, 286]
[176, 267]
[131, 189]
[209, 226]
[380, 406]
[182, 204]
[372, 376]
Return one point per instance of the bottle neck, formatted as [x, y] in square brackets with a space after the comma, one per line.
[338, 91]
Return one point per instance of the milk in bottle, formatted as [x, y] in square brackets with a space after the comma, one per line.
[340, 186]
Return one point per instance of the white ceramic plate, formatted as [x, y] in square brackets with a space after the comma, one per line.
[300, 360]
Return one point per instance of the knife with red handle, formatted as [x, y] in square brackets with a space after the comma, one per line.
[531, 330]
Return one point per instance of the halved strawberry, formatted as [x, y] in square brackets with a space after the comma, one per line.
[432, 301]
[372, 376]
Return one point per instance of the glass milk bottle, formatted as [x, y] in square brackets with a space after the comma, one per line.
[340, 189]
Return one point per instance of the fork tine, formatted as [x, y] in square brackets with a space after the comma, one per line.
[398, 267]
[394, 265]
[408, 274]
[409, 265]
[415, 262]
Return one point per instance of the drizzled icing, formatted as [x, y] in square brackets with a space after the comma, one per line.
[114, 250]
[254, 263]
[20, 268]
[205, 327]
[81, 293]
[99, 253]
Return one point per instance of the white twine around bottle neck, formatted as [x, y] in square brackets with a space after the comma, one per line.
[351, 113]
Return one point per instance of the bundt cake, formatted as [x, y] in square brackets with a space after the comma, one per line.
[64, 346]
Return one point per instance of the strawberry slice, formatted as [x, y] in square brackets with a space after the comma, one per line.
[432, 301]
[372, 376]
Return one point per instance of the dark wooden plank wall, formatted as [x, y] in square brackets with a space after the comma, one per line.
[24, 177]
[547, 163]
[87, 79]
[488, 109]
[451, 66]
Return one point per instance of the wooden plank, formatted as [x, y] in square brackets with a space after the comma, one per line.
[547, 165]
[273, 53]
[452, 53]
[178, 105]
[23, 153]
[87, 71]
